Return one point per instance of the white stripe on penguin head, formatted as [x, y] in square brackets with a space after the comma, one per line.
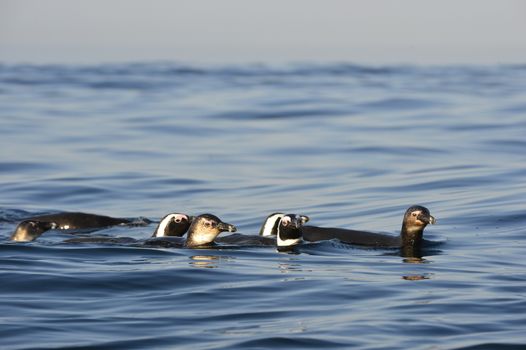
[270, 224]
[166, 220]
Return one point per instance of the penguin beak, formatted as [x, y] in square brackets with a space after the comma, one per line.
[297, 223]
[300, 220]
[224, 227]
[427, 219]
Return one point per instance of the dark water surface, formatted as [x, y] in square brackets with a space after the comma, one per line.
[350, 146]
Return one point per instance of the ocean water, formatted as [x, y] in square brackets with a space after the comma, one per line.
[348, 145]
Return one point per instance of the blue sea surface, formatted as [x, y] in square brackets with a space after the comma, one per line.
[348, 145]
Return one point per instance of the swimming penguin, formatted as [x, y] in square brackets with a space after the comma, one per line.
[71, 221]
[416, 218]
[204, 229]
[283, 231]
[29, 230]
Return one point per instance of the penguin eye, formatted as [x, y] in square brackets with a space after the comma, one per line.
[284, 223]
[178, 220]
[414, 214]
[207, 224]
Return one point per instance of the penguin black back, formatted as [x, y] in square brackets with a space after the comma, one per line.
[77, 220]
[416, 218]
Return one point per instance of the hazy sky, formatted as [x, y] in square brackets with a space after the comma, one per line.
[368, 31]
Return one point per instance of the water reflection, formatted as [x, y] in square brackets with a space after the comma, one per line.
[208, 261]
[414, 260]
[416, 277]
[289, 267]
[419, 252]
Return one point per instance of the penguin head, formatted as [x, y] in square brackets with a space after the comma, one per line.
[205, 228]
[416, 218]
[174, 224]
[290, 230]
[271, 224]
[29, 230]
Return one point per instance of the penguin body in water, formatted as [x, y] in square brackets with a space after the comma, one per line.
[170, 229]
[71, 221]
[416, 218]
[286, 233]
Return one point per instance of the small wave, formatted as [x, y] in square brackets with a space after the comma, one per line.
[154, 75]
[291, 342]
[492, 346]
[18, 167]
[284, 114]
[398, 104]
